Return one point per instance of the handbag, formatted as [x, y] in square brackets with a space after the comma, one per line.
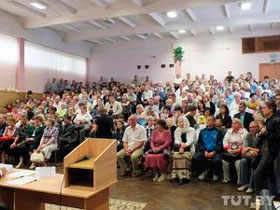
[6, 138]
[37, 157]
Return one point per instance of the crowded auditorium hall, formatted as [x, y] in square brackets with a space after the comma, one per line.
[140, 104]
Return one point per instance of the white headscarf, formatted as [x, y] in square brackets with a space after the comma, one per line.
[191, 135]
[186, 124]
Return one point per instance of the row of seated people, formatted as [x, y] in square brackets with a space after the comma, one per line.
[21, 142]
[199, 99]
[174, 151]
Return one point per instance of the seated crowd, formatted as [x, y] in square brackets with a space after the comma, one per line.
[193, 124]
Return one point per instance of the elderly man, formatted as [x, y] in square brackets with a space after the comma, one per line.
[249, 152]
[134, 139]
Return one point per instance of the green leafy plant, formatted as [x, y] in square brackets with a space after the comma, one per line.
[178, 54]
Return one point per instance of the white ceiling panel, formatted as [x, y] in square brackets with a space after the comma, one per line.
[208, 13]
[119, 21]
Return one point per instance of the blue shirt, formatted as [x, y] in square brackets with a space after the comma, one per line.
[209, 139]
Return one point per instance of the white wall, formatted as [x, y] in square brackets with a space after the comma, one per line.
[203, 54]
[10, 25]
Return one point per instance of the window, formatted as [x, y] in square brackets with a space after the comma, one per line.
[42, 64]
[8, 61]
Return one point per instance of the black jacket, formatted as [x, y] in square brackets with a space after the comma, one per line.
[226, 120]
[272, 135]
[248, 118]
[67, 132]
[104, 127]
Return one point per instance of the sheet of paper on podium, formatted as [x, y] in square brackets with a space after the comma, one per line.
[8, 167]
[22, 181]
[21, 173]
[45, 172]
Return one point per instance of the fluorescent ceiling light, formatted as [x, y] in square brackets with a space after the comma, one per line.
[246, 5]
[38, 5]
[220, 28]
[182, 31]
[171, 14]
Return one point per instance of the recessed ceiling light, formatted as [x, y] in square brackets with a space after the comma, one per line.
[220, 28]
[38, 5]
[246, 5]
[182, 31]
[171, 14]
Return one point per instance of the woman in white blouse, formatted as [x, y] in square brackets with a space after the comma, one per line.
[233, 143]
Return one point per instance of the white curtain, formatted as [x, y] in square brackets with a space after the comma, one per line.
[8, 62]
[42, 64]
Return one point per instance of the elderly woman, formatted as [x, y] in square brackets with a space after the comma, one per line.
[233, 143]
[141, 115]
[183, 150]
[48, 141]
[157, 158]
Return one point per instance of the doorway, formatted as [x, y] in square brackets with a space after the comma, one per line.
[269, 69]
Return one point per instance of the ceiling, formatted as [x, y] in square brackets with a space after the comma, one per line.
[116, 21]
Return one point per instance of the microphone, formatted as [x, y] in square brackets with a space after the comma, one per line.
[86, 157]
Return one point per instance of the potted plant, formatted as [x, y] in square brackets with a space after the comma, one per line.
[178, 54]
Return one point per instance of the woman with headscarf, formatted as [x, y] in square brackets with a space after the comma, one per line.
[183, 150]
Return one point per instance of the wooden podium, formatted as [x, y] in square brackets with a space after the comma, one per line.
[92, 164]
[86, 184]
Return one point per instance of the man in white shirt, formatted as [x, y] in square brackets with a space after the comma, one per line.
[134, 139]
[147, 94]
[57, 102]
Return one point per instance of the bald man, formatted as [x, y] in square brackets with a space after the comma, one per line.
[134, 139]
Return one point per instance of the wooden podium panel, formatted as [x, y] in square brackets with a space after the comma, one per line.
[102, 163]
[85, 184]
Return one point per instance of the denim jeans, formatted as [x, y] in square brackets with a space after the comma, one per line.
[245, 164]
